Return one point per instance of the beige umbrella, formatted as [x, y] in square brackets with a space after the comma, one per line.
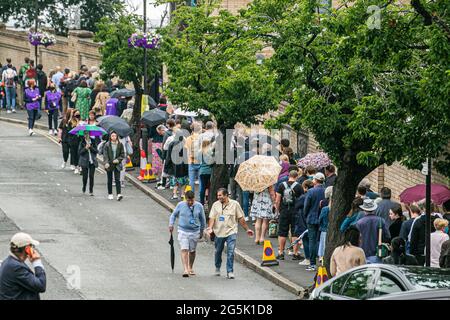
[258, 173]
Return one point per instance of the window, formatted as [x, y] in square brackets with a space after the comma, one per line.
[387, 284]
[336, 286]
[359, 284]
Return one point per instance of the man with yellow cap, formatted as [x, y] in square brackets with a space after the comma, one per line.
[17, 280]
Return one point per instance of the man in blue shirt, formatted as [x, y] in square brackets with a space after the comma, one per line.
[312, 211]
[17, 281]
[190, 229]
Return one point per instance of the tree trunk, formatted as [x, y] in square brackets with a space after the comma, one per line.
[220, 173]
[349, 176]
[135, 125]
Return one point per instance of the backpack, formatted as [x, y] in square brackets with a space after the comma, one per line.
[30, 73]
[10, 77]
[289, 194]
[273, 229]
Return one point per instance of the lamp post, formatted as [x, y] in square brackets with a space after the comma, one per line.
[145, 50]
[428, 214]
[36, 18]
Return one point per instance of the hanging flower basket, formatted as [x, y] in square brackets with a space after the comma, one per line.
[149, 40]
[41, 38]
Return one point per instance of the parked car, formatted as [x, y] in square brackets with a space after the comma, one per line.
[373, 281]
[439, 294]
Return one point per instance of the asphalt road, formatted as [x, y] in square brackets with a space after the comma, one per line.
[119, 249]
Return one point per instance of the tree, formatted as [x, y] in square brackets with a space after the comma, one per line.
[211, 63]
[125, 63]
[370, 95]
[55, 13]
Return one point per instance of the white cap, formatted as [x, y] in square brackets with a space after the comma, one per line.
[21, 240]
[319, 176]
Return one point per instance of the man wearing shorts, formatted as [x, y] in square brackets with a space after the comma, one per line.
[191, 224]
[287, 193]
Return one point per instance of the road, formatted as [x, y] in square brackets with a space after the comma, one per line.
[119, 248]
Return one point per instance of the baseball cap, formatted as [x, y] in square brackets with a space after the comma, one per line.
[21, 240]
[319, 176]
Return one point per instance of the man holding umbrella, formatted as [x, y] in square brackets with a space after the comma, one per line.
[190, 229]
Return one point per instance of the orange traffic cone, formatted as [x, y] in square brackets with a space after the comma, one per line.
[268, 255]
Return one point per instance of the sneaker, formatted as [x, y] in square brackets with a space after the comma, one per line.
[253, 219]
[114, 183]
[119, 197]
[246, 219]
[122, 185]
[197, 182]
[63, 165]
[230, 275]
[161, 188]
[311, 268]
[297, 256]
[55, 133]
[50, 132]
[9, 111]
[72, 167]
[217, 272]
[174, 198]
[290, 253]
[14, 111]
[280, 256]
[171, 188]
[304, 262]
[110, 197]
[30, 132]
[76, 171]
[91, 194]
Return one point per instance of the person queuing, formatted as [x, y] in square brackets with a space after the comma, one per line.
[88, 161]
[32, 103]
[81, 96]
[312, 212]
[349, 254]
[354, 215]
[192, 222]
[113, 154]
[368, 226]
[64, 137]
[437, 239]
[52, 103]
[398, 255]
[323, 222]
[17, 280]
[405, 230]
[10, 80]
[396, 216]
[286, 196]
[300, 224]
[177, 162]
[263, 211]
[224, 216]
[205, 170]
[193, 149]
[42, 80]
[74, 142]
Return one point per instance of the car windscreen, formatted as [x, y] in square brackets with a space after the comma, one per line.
[427, 278]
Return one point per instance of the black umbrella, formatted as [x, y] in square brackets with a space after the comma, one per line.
[154, 117]
[115, 123]
[122, 93]
[172, 252]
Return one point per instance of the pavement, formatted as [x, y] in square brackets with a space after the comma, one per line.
[105, 249]
[288, 275]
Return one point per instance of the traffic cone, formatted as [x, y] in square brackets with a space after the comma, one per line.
[149, 175]
[143, 166]
[129, 165]
[186, 189]
[322, 275]
[268, 258]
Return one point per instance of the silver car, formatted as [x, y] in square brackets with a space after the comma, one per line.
[383, 281]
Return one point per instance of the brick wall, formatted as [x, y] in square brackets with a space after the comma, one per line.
[234, 5]
[71, 52]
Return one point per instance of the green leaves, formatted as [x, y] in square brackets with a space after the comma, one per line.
[211, 62]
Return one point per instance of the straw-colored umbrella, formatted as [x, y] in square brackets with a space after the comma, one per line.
[258, 173]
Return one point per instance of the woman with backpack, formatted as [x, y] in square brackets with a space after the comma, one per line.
[32, 103]
[113, 154]
[262, 210]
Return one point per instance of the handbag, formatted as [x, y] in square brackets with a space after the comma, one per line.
[74, 97]
[273, 229]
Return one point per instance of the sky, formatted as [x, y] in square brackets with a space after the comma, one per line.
[137, 6]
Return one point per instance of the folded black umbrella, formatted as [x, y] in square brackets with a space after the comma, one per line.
[122, 93]
[115, 123]
[154, 117]
[172, 252]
